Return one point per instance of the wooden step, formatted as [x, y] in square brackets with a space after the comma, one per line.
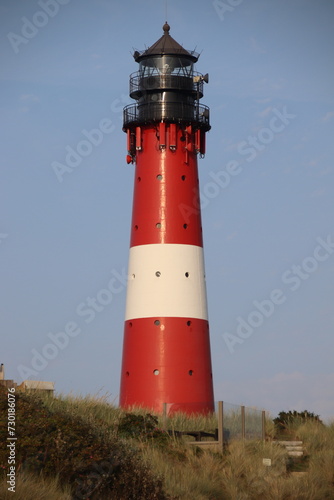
[290, 443]
[293, 448]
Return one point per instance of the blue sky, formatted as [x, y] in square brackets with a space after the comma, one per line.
[267, 187]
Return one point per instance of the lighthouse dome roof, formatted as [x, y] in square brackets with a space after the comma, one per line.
[166, 45]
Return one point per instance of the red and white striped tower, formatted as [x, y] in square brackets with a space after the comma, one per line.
[166, 351]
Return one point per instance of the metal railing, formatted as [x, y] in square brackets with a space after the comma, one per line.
[170, 111]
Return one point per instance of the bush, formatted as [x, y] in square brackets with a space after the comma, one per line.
[142, 427]
[288, 421]
[94, 464]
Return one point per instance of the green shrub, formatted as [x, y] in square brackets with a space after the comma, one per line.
[143, 427]
[93, 463]
[287, 422]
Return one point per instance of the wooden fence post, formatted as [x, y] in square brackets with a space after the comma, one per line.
[221, 425]
[164, 415]
[263, 425]
[243, 427]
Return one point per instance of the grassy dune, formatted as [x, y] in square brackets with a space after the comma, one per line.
[84, 448]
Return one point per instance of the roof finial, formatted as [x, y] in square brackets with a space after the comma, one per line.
[166, 28]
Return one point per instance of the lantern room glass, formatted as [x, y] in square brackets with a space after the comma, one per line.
[166, 65]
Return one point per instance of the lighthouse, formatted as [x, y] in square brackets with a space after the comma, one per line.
[166, 348]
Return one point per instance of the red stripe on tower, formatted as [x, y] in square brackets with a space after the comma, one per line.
[166, 351]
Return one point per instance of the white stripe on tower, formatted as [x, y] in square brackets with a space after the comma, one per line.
[166, 280]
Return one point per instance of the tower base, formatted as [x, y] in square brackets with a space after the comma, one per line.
[167, 361]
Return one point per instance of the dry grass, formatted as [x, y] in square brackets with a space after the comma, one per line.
[89, 408]
[192, 474]
[30, 487]
[182, 422]
[241, 474]
[189, 473]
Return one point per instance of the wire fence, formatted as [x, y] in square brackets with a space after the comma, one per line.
[242, 422]
[225, 422]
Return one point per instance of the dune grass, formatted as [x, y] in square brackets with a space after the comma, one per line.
[81, 437]
[36, 487]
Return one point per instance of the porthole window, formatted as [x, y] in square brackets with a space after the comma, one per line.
[157, 322]
[183, 177]
[190, 372]
[127, 373]
[130, 324]
[188, 323]
[156, 372]
[138, 179]
[185, 226]
[159, 177]
[186, 275]
[158, 225]
[158, 274]
[136, 227]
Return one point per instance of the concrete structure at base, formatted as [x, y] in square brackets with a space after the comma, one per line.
[166, 350]
[27, 385]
